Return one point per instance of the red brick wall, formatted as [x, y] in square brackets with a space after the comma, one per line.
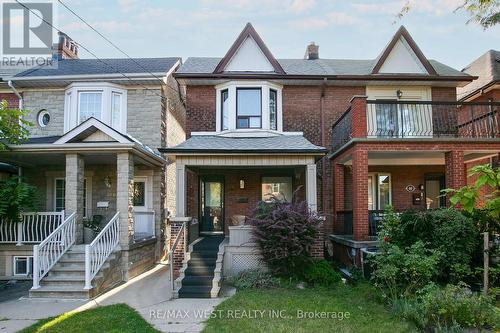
[12, 99]
[444, 94]
[492, 94]
[200, 109]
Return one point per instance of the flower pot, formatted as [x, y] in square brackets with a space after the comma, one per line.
[88, 235]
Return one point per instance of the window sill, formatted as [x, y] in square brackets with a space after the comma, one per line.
[245, 132]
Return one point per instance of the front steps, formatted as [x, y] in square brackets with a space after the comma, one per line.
[66, 280]
[201, 273]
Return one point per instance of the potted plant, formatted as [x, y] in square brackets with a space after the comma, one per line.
[91, 227]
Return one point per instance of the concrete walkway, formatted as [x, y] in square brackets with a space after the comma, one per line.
[149, 294]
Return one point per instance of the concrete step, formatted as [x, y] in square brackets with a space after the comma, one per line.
[195, 292]
[202, 280]
[51, 281]
[62, 291]
[70, 260]
[204, 255]
[203, 261]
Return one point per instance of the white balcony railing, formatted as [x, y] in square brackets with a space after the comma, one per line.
[33, 227]
[144, 224]
[97, 252]
[50, 250]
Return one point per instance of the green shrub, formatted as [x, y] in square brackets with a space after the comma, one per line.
[321, 273]
[400, 272]
[449, 309]
[254, 279]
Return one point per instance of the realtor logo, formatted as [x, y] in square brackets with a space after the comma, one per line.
[27, 34]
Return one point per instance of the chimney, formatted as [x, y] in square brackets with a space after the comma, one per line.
[66, 48]
[312, 52]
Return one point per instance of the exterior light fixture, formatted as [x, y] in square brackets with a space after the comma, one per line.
[242, 184]
[107, 182]
[399, 93]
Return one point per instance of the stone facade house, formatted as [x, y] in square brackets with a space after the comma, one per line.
[351, 135]
[93, 156]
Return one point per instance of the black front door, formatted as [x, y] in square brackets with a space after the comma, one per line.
[212, 205]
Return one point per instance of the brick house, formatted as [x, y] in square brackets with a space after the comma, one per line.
[257, 125]
[93, 155]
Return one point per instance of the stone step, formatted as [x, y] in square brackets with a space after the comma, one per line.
[199, 271]
[197, 280]
[195, 292]
[62, 291]
[211, 261]
[204, 255]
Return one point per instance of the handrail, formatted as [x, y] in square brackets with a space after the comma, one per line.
[171, 253]
[97, 252]
[50, 250]
[33, 227]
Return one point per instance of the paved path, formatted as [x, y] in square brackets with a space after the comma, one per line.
[148, 293]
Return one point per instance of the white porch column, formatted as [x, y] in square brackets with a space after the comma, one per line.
[311, 195]
[75, 175]
[125, 197]
[180, 190]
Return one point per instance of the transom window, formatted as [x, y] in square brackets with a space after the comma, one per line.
[248, 108]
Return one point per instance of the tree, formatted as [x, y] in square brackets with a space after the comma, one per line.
[484, 12]
[13, 126]
[16, 197]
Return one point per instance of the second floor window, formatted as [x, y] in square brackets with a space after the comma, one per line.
[89, 105]
[224, 109]
[116, 106]
[248, 108]
[273, 112]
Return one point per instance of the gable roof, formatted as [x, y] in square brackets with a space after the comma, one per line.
[88, 128]
[248, 32]
[402, 33]
[76, 67]
[486, 68]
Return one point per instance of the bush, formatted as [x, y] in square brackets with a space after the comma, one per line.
[321, 273]
[17, 197]
[400, 272]
[445, 230]
[254, 279]
[449, 309]
[285, 233]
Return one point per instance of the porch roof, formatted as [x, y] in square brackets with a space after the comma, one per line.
[277, 144]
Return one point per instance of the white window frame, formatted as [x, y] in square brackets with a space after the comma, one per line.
[265, 120]
[28, 266]
[72, 107]
[88, 199]
[376, 189]
[55, 191]
[148, 195]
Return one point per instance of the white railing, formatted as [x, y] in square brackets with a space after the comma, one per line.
[101, 247]
[144, 224]
[33, 227]
[50, 250]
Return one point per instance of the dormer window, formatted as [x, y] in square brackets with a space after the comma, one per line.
[249, 105]
[105, 102]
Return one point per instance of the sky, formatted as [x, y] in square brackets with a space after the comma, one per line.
[343, 29]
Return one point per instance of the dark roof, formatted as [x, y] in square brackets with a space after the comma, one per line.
[69, 67]
[329, 67]
[487, 68]
[41, 140]
[274, 144]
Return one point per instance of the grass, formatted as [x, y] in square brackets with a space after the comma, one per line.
[119, 318]
[366, 314]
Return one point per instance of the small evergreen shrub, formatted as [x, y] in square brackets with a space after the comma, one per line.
[254, 279]
[321, 273]
[285, 233]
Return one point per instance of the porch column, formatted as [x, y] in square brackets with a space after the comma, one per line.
[180, 190]
[125, 197]
[311, 193]
[358, 120]
[338, 194]
[158, 203]
[455, 169]
[73, 202]
[360, 194]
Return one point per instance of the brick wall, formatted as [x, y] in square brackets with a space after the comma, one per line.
[200, 109]
[12, 99]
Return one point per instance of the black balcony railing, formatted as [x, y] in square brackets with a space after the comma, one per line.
[345, 226]
[419, 119]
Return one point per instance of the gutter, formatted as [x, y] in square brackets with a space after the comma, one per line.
[11, 85]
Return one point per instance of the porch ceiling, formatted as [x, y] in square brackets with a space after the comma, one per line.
[416, 157]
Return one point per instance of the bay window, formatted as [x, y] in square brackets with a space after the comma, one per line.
[103, 101]
[248, 108]
[249, 105]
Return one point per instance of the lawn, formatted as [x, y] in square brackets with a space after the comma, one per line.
[119, 318]
[358, 305]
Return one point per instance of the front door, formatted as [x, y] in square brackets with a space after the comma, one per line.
[212, 205]
[434, 184]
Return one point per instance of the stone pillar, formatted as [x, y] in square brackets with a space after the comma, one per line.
[75, 176]
[360, 194]
[311, 193]
[125, 197]
[338, 195]
[180, 190]
[358, 119]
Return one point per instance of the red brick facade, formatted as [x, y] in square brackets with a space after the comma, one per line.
[12, 99]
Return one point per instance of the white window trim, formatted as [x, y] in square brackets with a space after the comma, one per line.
[55, 191]
[376, 188]
[88, 194]
[265, 87]
[14, 258]
[71, 104]
[147, 178]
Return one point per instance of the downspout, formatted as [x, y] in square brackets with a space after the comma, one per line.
[11, 85]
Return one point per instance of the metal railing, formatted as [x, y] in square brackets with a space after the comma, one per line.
[33, 227]
[345, 221]
[97, 252]
[50, 250]
[422, 119]
[144, 225]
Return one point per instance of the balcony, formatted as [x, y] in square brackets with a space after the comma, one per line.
[416, 120]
